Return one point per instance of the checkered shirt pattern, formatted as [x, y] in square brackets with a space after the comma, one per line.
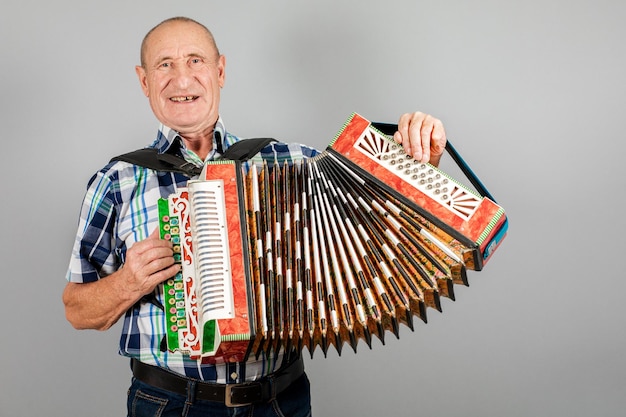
[119, 209]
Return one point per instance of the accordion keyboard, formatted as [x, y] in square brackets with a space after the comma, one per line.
[424, 177]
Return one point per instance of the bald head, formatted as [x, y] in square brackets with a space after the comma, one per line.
[174, 20]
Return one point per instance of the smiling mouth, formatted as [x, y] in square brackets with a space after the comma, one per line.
[183, 99]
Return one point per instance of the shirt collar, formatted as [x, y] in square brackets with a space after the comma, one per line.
[168, 136]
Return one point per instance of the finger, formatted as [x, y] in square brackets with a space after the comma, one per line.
[397, 137]
[141, 255]
[145, 268]
[152, 241]
[159, 264]
[438, 143]
[158, 252]
[402, 135]
[156, 234]
[165, 274]
[157, 275]
[426, 137]
[415, 135]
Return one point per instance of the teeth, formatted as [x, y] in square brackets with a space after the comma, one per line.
[187, 98]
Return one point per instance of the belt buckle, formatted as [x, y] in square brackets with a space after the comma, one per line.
[239, 395]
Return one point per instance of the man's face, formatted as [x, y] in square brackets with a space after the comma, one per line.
[182, 77]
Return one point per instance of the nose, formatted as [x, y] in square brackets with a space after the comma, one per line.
[182, 76]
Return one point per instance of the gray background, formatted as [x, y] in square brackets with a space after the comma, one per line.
[531, 92]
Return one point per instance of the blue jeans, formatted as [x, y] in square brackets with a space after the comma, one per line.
[147, 401]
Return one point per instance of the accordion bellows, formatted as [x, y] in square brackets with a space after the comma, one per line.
[326, 251]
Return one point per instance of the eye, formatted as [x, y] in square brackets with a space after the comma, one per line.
[195, 61]
[165, 65]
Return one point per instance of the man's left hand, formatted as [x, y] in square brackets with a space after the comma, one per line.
[422, 136]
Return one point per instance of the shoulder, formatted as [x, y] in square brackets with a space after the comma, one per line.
[116, 182]
[125, 164]
[112, 173]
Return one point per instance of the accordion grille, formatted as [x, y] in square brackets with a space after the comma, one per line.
[210, 235]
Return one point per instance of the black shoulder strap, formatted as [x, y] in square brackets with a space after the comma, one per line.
[150, 158]
[246, 149]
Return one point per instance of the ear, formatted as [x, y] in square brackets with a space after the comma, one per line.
[143, 79]
[221, 68]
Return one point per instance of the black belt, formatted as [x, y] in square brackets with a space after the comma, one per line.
[232, 395]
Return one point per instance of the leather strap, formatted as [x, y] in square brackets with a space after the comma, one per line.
[168, 162]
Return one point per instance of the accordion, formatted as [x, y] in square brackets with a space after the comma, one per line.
[324, 251]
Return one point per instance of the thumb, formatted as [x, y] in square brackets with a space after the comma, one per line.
[156, 234]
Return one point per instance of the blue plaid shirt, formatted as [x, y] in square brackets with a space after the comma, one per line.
[119, 209]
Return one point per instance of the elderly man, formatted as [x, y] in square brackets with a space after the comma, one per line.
[118, 258]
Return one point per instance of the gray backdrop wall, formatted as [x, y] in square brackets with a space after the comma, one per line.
[532, 93]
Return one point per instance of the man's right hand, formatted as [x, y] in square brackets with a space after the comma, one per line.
[100, 304]
[148, 263]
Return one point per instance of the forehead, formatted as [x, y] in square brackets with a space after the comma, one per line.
[176, 39]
